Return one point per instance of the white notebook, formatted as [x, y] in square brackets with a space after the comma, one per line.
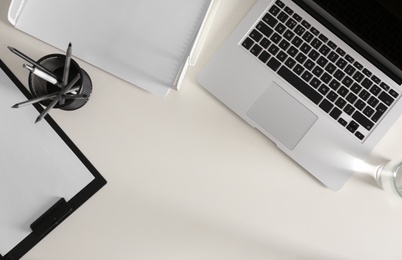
[144, 42]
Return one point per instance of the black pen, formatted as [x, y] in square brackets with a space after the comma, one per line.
[22, 55]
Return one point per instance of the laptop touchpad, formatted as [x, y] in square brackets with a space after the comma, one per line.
[281, 115]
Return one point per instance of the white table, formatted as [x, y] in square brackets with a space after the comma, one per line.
[188, 179]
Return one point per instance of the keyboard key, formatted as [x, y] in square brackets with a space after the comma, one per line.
[280, 3]
[256, 50]
[385, 86]
[273, 49]
[307, 76]
[368, 111]
[332, 96]
[360, 104]
[358, 76]
[334, 84]
[380, 110]
[363, 120]
[393, 93]
[326, 78]
[314, 31]
[292, 51]
[339, 74]
[349, 58]
[343, 91]
[352, 126]
[290, 63]
[372, 101]
[289, 35]
[340, 102]
[282, 56]
[291, 23]
[282, 17]
[306, 24]
[349, 109]
[316, 43]
[367, 83]
[351, 98]
[322, 61]
[305, 48]
[270, 20]
[375, 79]
[324, 50]
[284, 45]
[356, 88]
[307, 36]
[323, 38]
[288, 10]
[367, 72]
[359, 135]
[248, 42]
[324, 90]
[317, 71]
[326, 105]
[350, 70]
[264, 29]
[330, 68]
[297, 17]
[300, 85]
[255, 35]
[341, 63]
[309, 64]
[375, 90]
[313, 54]
[335, 113]
[358, 65]
[332, 45]
[315, 83]
[387, 99]
[342, 122]
[347, 81]
[297, 41]
[265, 43]
[332, 56]
[274, 64]
[264, 57]
[340, 51]
[276, 38]
[301, 58]
[364, 94]
[280, 28]
[298, 69]
[274, 10]
[299, 30]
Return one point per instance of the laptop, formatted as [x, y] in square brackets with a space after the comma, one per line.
[320, 78]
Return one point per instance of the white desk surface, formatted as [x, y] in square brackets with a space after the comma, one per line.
[188, 179]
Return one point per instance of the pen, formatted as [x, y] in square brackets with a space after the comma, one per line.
[41, 74]
[67, 65]
[23, 56]
[66, 69]
[39, 99]
[63, 91]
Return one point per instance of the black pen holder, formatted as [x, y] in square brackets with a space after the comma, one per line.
[55, 64]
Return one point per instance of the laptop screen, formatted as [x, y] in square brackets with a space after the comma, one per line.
[377, 22]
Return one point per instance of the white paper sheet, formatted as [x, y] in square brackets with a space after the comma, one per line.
[145, 42]
[36, 167]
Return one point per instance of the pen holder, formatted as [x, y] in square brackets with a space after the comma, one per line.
[55, 64]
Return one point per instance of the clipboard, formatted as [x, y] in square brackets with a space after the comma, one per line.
[40, 185]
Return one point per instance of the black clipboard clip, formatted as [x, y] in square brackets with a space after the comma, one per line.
[51, 218]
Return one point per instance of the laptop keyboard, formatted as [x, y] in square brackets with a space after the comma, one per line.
[324, 73]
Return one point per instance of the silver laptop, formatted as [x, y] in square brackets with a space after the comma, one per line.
[320, 78]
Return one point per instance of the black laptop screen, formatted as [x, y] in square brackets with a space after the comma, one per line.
[378, 23]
